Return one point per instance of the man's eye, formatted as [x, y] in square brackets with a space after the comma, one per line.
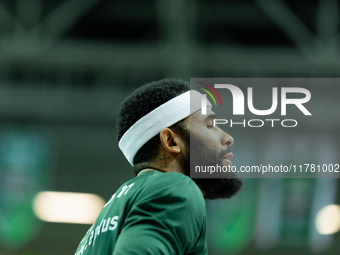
[210, 124]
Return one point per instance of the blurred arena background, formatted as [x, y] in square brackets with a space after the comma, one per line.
[66, 65]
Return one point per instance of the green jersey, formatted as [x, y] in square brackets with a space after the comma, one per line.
[154, 213]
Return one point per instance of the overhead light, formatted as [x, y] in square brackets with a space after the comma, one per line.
[327, 220]
[67, 207]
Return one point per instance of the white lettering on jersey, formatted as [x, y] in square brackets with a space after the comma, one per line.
[125, 189]
[91, 237]
[110, 199]
[113, 223]
[104, 228]
[106, 224]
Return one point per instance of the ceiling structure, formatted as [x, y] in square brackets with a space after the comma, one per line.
[75, 52]
[101, 43]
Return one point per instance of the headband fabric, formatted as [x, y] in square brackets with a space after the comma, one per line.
[163, 116]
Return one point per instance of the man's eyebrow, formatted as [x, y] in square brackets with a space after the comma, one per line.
[211, 116]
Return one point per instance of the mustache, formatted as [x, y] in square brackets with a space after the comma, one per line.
[225, 152]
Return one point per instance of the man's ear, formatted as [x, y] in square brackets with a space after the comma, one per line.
[170, 141]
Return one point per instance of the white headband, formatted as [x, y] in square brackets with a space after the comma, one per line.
[163, 116]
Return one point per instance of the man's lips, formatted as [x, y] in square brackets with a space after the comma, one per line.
[227, 158]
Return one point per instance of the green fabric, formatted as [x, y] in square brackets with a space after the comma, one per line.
[154, 213]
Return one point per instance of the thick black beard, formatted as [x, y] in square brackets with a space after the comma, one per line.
[212, 188]
[218, 188]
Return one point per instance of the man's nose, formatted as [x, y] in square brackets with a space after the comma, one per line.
[227, 139]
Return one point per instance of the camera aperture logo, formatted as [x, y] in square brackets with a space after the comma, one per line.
[213, 90]
[238, 99]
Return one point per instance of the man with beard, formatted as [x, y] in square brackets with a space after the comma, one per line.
[162, 210]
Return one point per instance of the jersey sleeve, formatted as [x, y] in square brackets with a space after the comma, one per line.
[167, 217]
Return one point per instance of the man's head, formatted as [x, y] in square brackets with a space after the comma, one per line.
[141, 102]
[169, 150]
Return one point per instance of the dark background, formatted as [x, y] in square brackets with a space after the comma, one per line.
[65, 67]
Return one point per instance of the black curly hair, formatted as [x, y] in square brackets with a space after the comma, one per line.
[142, 101]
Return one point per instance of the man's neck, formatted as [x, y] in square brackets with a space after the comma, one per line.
[147, 170]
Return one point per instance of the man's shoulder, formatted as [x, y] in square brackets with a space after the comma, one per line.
[173, 185]
[171, 180]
